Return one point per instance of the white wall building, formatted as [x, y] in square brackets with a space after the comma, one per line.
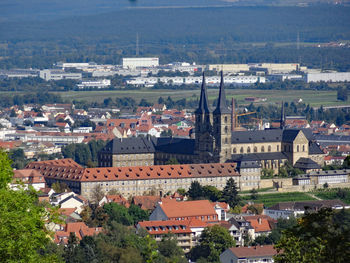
[140, 62]
[54, 74]
[328, 77]
[99, 84]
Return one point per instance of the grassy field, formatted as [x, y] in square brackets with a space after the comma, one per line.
[328, 194]
[314, 98]
[271, 199]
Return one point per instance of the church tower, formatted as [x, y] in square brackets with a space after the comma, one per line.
[203, 128]
[283, 117]
[222, 121]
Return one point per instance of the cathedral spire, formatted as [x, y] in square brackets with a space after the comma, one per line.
[203, 101]
[221, 107]
[283, 117]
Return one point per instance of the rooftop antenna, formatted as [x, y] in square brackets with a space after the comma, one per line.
[137, 44]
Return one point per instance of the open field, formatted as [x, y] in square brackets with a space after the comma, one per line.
[312, 97]
[271, 199]
[327, 194]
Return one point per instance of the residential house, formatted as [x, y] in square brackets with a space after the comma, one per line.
[80, 229]
[288, 209]
[170, 209]
[256, 254]
[29, 177]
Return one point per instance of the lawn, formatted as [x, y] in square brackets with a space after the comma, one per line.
[314, 98]
[271, 199]
[329, 194]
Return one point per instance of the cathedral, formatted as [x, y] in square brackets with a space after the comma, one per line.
[216, 142]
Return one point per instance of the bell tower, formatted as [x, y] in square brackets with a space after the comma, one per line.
[203, 128]
[222, 123]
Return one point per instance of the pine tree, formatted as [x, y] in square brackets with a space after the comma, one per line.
[230, 193]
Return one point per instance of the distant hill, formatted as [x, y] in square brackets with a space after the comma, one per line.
[191, 25]
[22, 10]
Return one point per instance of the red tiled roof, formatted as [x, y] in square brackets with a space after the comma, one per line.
[146, 202]
[175, 209]
[119, 199]
[28, 176]
[73, 171]
[173, 226]
[60, 162]
[256, 251]
[260, 223]
[79, 228]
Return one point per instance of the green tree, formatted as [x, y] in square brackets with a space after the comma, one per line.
[196, 191]
[213, 241]
[230, 193]
[211, 192]
[172, 161]
[169, 251]
[137, 214]
[119, 214]
[318, 237]
[22, 220]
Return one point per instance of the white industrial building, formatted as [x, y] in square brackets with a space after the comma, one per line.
[211, 80]
[140, 62]
[328, 77]
[54, 74]
[98, 84]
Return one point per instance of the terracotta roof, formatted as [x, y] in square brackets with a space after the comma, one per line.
[66, 211]
[173, 226]
[245, 208]
[146, 202]
[30, 176]
[60, 162]
[256, 251]
[175, 209]
[73, 171]
[79, 228]
[260, 223]
[119, 199]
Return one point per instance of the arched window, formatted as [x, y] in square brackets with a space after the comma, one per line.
[248, 150]
[234, 150]
[241, 150]
[278, 148]
[297, 148]
[262, 149]
[226, 129]
[225, 140]
[303, 148]
[225, 119]
[255, 149]
[269, 148]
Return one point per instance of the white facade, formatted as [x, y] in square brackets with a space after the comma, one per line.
[99, 84]
[214, 80]
[52, 74]
[140, 62]
[328, 77]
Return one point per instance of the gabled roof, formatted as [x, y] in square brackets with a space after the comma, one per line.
[306, 163]
[135, 172]
[260, 223]
[133, 145]
[273, 135]
[175, 145]
[175, 209]
[60, 162]
[313, 205]
[146, 202]
[256, 251]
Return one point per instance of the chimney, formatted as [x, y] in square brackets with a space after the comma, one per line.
[259, 220]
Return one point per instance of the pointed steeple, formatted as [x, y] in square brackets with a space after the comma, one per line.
[221, 107]
[203, 100]
[283, 117]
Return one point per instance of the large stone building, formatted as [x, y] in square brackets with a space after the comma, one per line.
[215, 141]
[135, 180]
